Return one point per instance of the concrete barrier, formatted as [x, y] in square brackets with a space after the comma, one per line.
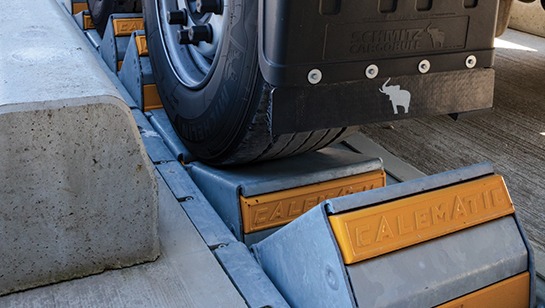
[77, 191]
[528, 17]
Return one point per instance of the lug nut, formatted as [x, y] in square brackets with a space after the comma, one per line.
[177, 17]
[209, 6]
[183, 37]
[200, 33]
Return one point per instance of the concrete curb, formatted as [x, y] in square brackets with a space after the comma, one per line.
[528, 17]
[77, 191]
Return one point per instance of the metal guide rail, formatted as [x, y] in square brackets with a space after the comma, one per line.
[455, 234]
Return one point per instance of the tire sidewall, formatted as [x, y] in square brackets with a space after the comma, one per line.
[101, 13]
[210, 119]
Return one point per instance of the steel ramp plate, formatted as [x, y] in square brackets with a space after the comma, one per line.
[279, 208]
[475, 242]
[511, 292]
[437, 271]
[253, 200]
[304, 263]
[137, 75]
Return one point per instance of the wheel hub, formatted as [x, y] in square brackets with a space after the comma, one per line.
[191, 34]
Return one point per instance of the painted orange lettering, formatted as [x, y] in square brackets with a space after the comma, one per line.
[295, 210]
[334, 194]
[361, 240]
[498, 197]
[459, 208]
[277, 213]
[260, 216]
[486, 200]
[384, 230]
[348, 190]
[358, 189]
[422, 218]
[472, 202]
[310, 203]
[439, 212]
[402, 227]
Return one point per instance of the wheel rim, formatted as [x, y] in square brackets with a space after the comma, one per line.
[192, 64]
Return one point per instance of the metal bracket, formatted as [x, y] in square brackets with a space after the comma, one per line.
[116, 38]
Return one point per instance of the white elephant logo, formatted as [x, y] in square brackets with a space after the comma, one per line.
[397, 96]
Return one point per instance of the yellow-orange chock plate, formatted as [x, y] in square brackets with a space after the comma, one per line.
[369, 232]
[279, 208]
[126, 26]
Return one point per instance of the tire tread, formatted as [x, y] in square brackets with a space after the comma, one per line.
[254, 147]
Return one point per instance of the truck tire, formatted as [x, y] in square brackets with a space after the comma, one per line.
[214, 93]
[100, 10]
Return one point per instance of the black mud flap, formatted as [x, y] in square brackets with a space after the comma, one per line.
[297, 109]
[339, 63]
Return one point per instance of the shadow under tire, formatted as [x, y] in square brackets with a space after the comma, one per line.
[218, 102]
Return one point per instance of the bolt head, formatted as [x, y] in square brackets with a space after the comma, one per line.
[200, 33]
[471, 61]
[371, 71]
[183, 37]
[314, 76]
[424, 66]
